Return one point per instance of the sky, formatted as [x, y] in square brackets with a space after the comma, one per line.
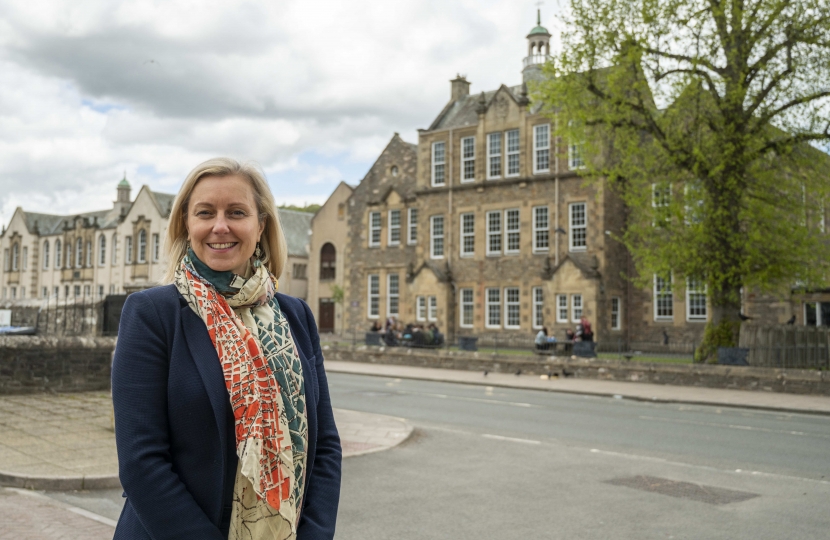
[91, 90]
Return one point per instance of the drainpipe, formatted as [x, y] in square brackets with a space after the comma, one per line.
[556, 197]
[448, 234]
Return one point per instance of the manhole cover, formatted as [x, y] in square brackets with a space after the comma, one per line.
[683, 490]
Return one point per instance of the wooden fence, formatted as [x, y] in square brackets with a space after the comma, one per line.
[787, 346]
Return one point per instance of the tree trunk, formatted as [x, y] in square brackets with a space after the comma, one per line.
[724, 327]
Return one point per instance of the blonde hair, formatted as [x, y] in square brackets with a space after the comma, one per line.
[272, 242]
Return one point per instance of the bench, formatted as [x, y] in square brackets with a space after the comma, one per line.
[555, 348]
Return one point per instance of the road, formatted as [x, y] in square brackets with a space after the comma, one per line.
[508, 464]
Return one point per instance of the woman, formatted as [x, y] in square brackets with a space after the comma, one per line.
[223, 421]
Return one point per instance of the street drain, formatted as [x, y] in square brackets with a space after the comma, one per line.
[683, 490]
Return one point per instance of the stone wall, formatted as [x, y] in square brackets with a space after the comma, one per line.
[795, 381]
[30, 364]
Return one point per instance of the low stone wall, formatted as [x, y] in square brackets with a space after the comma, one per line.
[795, 381]
[30, 364]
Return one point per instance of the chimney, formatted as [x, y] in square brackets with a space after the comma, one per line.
[460, 87]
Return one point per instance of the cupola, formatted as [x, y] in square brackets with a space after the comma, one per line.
[538, 50]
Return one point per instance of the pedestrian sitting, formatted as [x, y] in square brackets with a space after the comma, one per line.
[223, 421]
[543, 341]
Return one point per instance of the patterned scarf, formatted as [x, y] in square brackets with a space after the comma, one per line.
[263, 376]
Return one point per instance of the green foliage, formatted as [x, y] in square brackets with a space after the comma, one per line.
[722, 334]
[701, 114]
[310, 208]
[337, 294]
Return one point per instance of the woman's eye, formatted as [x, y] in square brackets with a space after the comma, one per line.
[238, 213]
[202, 213]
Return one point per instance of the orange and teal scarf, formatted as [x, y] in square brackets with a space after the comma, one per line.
[264, 378]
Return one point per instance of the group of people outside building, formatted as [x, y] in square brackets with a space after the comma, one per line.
[582, 332]
[394, 334]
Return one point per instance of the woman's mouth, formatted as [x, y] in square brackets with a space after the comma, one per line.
[225, 245]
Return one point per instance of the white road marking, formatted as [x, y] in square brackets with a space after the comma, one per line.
[705, 467]
[479, 400]
[511, 439]
[735, 426]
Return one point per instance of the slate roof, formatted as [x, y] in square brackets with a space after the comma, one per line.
[464, 112]
[50, 224]
[297, 229]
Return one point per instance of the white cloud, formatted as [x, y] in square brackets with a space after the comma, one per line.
[311, 91]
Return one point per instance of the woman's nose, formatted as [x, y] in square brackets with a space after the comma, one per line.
[220, 225]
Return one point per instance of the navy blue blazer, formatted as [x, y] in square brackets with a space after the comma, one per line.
[173, 423]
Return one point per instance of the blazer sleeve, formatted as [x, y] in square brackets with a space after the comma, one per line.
[322, 497]
[139, 389]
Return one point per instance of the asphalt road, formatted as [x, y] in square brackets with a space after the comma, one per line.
[516, 464]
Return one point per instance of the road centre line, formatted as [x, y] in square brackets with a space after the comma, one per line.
[511, 439]
[463, 398]
[705, 467]
[735, 426]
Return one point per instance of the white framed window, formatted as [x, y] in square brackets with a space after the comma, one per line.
[512, 152]
[575, 158]
[561, 308]
[142, 246]
[89, 254]
[412, 220]
[421, 308]
[14, 293]
[494, 141]
[541, 229]
[439, 157]
[660, 202]
[23, 292]
[156, 247]
[493, 307]
[538, 307]
[102, 250]
[616, 313]
[100, 291]
[512, 231]
[373, 303]
[68, 255]
[541, 149]
[468, 238]
[468, 159]
[374, 229]
[512, 308]
[25, 258]
[432, 312]
[436, 237]
[44, 292]
[112, 289]
[578, 234]
[128, 249]
[87, 290]
[114, 249]
[392, 294]
[46, 255]
[77, 290]
[695, 300]
[394, 227]
[58, 254]
[663, 298]
[15, 257]
[466, 310]
[494, 233]
[576, 307]
[79, 253]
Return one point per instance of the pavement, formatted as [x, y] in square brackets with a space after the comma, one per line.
[66, 441]
[663, 393]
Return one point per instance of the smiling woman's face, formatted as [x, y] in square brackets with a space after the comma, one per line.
[223, 225]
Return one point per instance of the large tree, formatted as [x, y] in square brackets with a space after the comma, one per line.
[707, 116]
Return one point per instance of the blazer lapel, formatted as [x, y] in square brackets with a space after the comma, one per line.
[207, 362]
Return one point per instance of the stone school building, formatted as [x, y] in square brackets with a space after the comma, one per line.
[486, 227]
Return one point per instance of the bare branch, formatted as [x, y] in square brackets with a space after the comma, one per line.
[764, 119]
